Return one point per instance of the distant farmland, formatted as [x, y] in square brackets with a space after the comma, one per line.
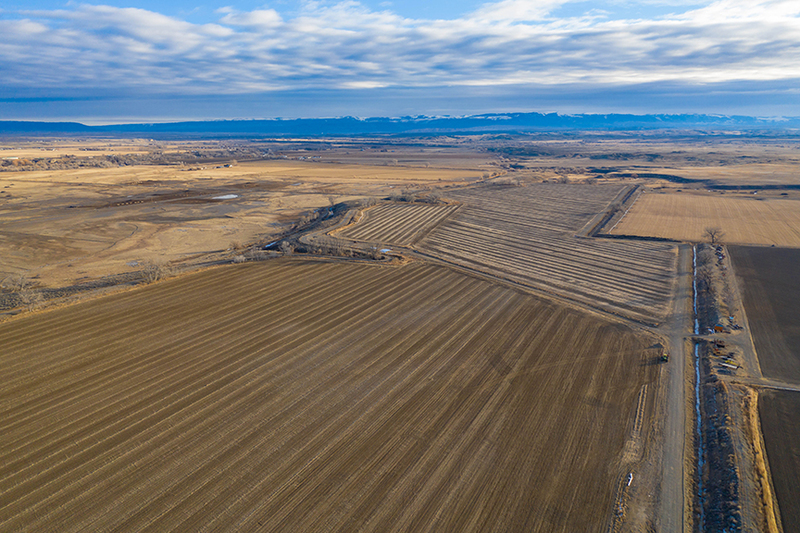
[315, 396]
[684, 217]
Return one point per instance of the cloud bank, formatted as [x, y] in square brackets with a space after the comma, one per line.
[345, 46]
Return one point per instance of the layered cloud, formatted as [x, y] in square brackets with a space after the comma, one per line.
[345, 45]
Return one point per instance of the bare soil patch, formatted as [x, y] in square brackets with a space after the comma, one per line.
[772, 301]
[780, 423]
[318, 396]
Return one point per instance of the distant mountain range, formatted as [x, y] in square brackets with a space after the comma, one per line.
[419, 125]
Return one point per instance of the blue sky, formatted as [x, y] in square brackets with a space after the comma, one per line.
[153, 61]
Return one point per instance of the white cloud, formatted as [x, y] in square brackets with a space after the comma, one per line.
[346, 45]
[262, 19]
[516, 10]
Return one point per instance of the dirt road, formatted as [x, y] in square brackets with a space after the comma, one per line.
[676, 330]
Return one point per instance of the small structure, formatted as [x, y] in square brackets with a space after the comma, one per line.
[663, 354]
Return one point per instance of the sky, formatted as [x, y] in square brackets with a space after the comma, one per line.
[154, 61]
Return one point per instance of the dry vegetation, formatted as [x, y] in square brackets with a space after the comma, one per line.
[527, 235]
[68, 226]
[685, 217]
[308, 396]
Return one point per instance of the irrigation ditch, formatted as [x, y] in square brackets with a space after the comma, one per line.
[727, 497]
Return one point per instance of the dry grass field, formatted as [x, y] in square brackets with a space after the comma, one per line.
[401, 224]
[780, 423]
[31, 149]
[526, 234]
[684, 217]
[316, 396]
[65, 226]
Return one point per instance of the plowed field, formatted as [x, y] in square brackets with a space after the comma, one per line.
[772, 302]
[311, 396]
[400, 224]
[527, 235]
[685, 217]
[780, 422]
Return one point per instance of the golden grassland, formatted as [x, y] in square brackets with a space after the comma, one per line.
[61, 226]
[684, 217]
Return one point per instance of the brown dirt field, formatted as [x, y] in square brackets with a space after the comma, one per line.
[771, 299]
[527, 234]
[684, 217]
[732, 172]
[468, 157]
[780, 423]
[401, 224]
[317, 396]
[65, 226]
[79, 148]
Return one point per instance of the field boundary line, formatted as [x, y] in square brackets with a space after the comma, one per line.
[421, 235]
[641, 191]
[644, 322]
[600, 219]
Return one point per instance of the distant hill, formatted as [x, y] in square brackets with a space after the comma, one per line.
[420, 125]
[18, 127]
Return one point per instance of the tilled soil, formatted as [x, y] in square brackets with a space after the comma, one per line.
[527, 235]
[780, 422]
[316, 396]
[772, 300]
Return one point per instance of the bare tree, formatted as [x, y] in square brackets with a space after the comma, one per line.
[31, 299]
[705, 274]
[705, 256]
[16, 283]
[286, 248]
[714, 234]
[154, 271]
[729, 299]
[21, 285]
